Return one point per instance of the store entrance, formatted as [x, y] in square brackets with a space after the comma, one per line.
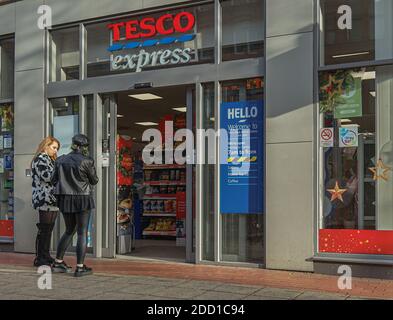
[153, 208]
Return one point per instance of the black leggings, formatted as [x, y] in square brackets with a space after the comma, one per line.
[75, 222]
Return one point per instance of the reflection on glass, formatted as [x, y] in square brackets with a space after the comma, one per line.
[242, 234]
[348, 97]
[65, 121]
[7, 53]
[242, 29]
[350, 200]
[370, 37]
[98, 57]
[64, 54]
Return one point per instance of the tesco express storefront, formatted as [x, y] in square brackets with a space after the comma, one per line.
[213, 53]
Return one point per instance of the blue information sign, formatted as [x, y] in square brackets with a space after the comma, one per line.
[242, 158]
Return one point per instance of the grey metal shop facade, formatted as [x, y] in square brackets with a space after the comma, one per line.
[327, 194]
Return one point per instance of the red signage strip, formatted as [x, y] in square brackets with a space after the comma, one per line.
[356, 241]
[149, 27]
[7, 228]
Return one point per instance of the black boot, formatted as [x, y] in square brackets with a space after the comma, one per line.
[47, 242]
[41, 259]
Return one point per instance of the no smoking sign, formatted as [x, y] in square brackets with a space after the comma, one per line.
[326, 137]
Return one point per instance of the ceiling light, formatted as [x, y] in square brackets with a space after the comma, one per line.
[181, 109]
[145, 96]
[351, 54]
[119, 115]
[147, 123]
[350, 125]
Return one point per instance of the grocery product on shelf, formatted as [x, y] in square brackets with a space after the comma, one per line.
[125, 212]
[163, 183]
[124, 160]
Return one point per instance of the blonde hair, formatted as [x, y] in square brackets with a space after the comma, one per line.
[44, 144]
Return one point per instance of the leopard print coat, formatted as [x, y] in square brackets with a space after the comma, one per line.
[42, 170]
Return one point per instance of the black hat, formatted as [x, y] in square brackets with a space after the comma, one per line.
[80, 140]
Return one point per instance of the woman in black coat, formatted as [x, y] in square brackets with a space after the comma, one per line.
[73, 178]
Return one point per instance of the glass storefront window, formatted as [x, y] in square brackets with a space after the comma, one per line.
[149, 42]
[242, 234]
[208, 175]
[7, 66]
[243, 29]
[65, 54]
[98, 57]
[371, 36]
[65, 121]
[357, 162]
[7, 173]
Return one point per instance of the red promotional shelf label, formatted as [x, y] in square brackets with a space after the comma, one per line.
[7, 228]
[180, 205]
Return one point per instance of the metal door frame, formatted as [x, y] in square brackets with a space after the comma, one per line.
[107, 248]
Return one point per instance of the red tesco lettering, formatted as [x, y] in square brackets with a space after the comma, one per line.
[149, 27]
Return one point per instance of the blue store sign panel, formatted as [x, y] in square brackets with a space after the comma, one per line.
[242, 158]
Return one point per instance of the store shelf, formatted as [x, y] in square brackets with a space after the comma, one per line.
[160, 233]
[163, 166]
[159, 196]
[159, 214]
[165, 183]
[6, 240]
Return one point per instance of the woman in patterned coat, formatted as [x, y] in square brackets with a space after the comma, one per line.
[43, 199]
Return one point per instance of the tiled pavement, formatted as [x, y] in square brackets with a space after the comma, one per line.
[21, 284]
[136, 280]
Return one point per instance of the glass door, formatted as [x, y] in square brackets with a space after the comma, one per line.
[106, 157]
[190, 178]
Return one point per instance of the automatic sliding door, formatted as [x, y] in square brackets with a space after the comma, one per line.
[108, 177]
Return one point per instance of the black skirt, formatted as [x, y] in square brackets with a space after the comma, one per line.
[77, 203]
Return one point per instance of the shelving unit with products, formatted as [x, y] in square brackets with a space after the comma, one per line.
[163, 183]
[6, 174]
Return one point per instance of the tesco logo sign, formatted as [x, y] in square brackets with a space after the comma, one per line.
[150, 32]
[149, 27]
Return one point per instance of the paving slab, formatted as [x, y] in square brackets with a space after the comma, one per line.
[114, 296]
[178, 293]
[203, 285]
[253, 297]
[149, 280]
[278, 293]
[309, 295]
[214, 295]
[238, 289]
[143, 289]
